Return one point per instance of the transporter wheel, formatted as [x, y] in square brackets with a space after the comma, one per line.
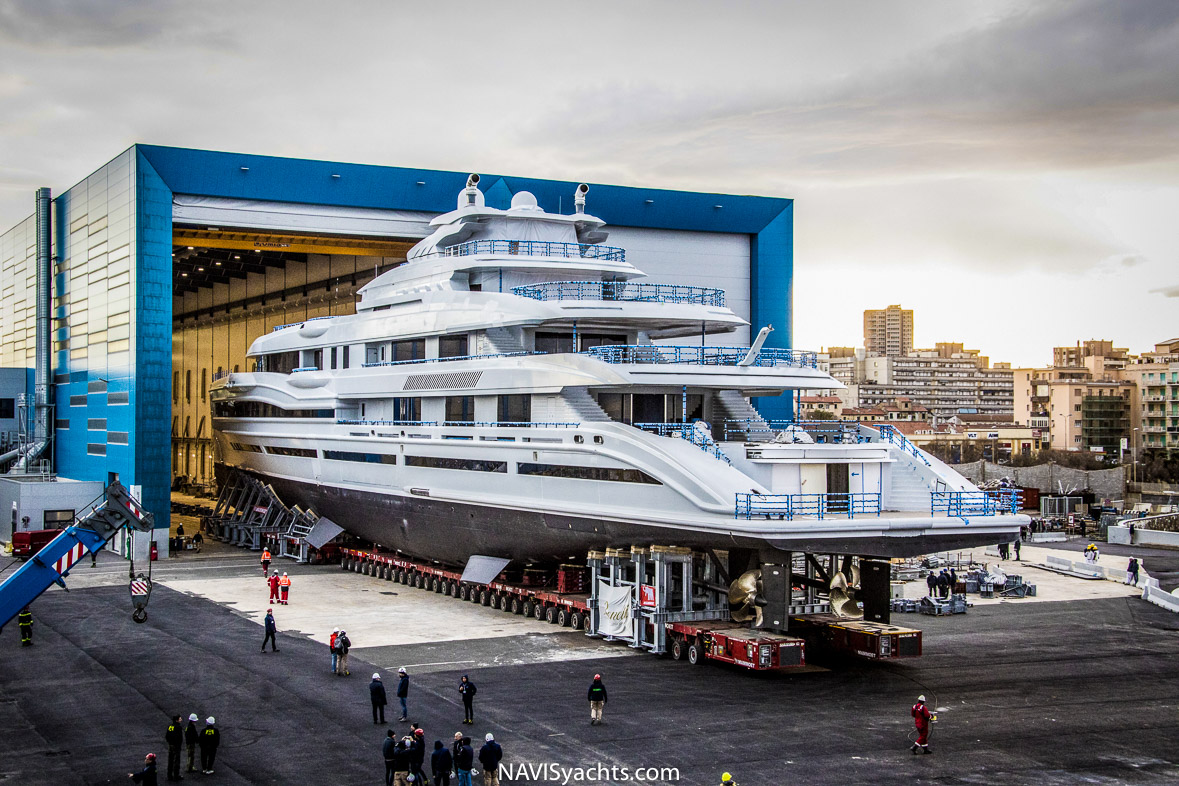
[389, 571]
[678, 648]
[465, 592]
[400, 576]
[550, 615]
[344, 563]
[526, 608]
[576, 620]
[484, 598]
[367, 569]
[421, 583]
[517, 607]
[435, 585]
[563, 618]
[695, 653]
[539, 611]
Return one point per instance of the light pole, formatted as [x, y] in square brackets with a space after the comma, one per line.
[1134, 455]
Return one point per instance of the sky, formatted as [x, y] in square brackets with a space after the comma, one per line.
[1009, 170]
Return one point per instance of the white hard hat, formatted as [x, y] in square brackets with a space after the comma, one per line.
[210, 720]
[401, 670]
[193, 718]
[921, 698]
[489, 737]
[376, 676]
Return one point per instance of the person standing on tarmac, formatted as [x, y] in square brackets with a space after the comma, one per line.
[271, 632]
[343, 644]
[174, 736]
[389, 751]
[191, 735]
[284, 584]
[403, 693]
[25, 621]
[265, 562]
[467, 690]
[489, 756]
[441, 763]
[332, 648]
[464, 760]
[597, 700]
[146, 776]
[417, 756]
[273, 582]
[210, 739]
[921, 719]
[376, 693]
[931, 582]
[727, 780]
[1132, 572]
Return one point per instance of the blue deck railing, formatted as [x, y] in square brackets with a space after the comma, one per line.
[701, 356]
[835, 431]
[690, 433]
[541, 248]
[622, 291]
[976, 503]
[890, 434]
[788, 506]
[296, 324]
[464, 423]
[444, 360]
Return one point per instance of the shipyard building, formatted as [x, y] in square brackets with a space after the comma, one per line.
[165, 264]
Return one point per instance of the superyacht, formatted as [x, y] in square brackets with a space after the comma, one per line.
[514, 390]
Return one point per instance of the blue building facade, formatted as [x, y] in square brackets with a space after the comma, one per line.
[112, 305]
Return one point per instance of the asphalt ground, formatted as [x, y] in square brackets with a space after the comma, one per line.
[1045, 693]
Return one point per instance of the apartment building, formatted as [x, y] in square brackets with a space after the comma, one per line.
[888, 331]
[1080, 410]
[1156, 376]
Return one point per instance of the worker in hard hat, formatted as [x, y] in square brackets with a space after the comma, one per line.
[727, 780]
[284, 584]
[273, 582]
[148, 773]
[265, 562]
[921, 719]
[25, 621]
[210, 739]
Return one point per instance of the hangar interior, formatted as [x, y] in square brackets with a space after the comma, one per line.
[232, 285]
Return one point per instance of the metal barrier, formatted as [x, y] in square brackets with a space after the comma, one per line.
[750, 430]
[788, 506]
[701, 356]
[622, 291]
[541, 248]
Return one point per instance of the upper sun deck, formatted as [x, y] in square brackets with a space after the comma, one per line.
[524, 243]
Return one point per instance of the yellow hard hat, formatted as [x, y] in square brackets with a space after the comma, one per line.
[726, 778]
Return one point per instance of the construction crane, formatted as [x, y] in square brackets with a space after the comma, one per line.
[89, 533]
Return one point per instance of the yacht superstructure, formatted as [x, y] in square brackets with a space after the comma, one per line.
[514, 391]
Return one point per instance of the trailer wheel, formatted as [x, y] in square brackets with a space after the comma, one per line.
[517, 607]
[343, 563]
[465, 592]
[695, 653]
[575, 621]
[389, 571]
[484, 598]
[402, 577]
[550, 615]
[526, 608]
[563, 618]
[435, 585]
[538, 610]
[678, 648]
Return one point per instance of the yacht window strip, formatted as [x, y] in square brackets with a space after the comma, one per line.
[444, 360]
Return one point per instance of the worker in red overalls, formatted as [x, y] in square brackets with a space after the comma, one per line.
[921, 718]
[284, 584]
[265, 563]
[274, 587]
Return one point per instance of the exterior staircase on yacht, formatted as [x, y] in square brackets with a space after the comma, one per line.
[501, 340]
[731, 405]
[587, 409]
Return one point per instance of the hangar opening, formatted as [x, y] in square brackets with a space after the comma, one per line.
[232, 284]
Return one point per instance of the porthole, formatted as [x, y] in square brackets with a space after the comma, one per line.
[598, 440]
[578, 438]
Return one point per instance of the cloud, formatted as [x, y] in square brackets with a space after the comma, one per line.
[1171, 291]
[108, 24]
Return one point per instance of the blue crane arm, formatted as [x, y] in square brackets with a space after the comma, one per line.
[53, 562]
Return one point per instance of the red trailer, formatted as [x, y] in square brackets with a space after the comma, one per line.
[732, 642]
[26, 544]
[871, 640]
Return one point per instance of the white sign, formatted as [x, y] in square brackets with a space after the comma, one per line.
[972, 435]
[1125, 443]
[993, 435]
[614, 604]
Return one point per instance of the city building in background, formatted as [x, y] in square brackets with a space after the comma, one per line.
[1156, 375]
[888, 331]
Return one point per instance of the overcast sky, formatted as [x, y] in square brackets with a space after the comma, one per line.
[1009, 170]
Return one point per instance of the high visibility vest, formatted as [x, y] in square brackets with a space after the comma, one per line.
[284, 581]
[266, 555]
